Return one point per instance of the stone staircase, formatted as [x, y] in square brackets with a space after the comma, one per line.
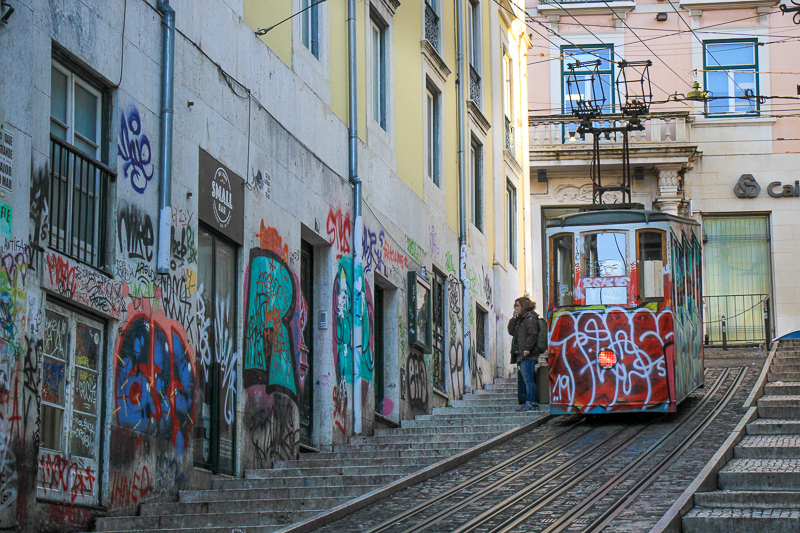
[293, 491]
[759, 489]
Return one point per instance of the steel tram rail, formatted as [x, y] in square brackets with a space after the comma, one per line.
[438, 517]
[532, 508]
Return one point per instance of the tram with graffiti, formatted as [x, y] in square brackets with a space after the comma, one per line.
[624, 311]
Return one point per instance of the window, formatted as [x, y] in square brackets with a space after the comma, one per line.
[562, 270]
[378, 82]
[605, 257]
[511, 223]
[215, 430]
[476, 176]
[433, 98]
[730, 71]
[480, 331]
[432, 23]
[72, 364]
[309, 24]
[651, 261]
[78, 187]
[474, 50]
[586, 84]
[508, 101]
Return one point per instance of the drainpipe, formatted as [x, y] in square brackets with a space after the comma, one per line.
[358, 230]
[463, 81]
[165, 150]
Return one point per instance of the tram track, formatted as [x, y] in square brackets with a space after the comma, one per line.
[507, 475]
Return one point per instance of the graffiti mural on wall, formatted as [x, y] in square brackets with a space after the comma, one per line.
[340, 230]
[135, 234]
[342, 335]
[642, 339]
[74, 477]
[84, 285]
[13, 301]
[154, 375]
[134, 150]
[417, 382]
[39, 211]
[275, 352]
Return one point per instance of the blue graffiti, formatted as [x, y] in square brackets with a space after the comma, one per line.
[134, 149]
[372, 250]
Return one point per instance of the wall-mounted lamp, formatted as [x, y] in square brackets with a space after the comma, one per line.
[661, 17]
[638, 173]
[542, 176]
[5, 11]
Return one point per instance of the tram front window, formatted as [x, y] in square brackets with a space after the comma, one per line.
[605, 257]
[562, 270]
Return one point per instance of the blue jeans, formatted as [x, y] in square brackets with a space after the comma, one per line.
[528, 369]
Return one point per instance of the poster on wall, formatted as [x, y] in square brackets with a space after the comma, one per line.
[221, 202]
[6, 160]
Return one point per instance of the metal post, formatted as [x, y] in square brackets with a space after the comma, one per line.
[724, 334]
[766, 323]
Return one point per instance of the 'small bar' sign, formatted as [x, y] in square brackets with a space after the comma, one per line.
[748, 187]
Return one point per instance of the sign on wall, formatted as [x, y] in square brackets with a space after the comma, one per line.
[6, 160]
[748, 187]
[221, 201]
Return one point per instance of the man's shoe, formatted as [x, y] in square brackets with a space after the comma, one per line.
[526, 407]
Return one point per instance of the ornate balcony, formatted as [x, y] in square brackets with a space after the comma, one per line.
[431, 26]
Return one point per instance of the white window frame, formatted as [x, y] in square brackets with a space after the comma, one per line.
[433, 133]
[477, 186]
[379, 69]
[511, 222]
[57, 478]
[309, 26]
[74, 79]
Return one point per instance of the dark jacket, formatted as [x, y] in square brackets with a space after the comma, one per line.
[525, 330]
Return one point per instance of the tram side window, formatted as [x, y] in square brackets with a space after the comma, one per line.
[651, 259]
[562, 274]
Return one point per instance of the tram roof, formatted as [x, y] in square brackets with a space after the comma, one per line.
[615, 216]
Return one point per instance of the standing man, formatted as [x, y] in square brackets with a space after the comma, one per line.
[524, 329]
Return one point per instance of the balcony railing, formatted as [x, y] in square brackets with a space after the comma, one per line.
[552, 130]
[474, 86]
[78, 197]
[431, 26]
[509, 131]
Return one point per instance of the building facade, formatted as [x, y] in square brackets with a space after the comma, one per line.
[724, 151]
[225, 246]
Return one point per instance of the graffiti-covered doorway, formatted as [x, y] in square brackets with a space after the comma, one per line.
[307, 365]
[216, 354]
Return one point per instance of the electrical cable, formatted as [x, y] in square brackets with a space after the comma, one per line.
[122, 43]
[264, 31]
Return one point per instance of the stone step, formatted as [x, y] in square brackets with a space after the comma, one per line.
[200, 521]
[223, 529]
[745, 520]
[264, 490]
[779, 406]
[768, 447]
[760, 474]
[512, 415]
[517, 419]
[406, 459]
[379, 446]
[315, 505]
[772, 499]
[782, 388]
[421, 438]
[447, 429]
[341, 470]
[783, 376]
[303, 481]
[499, 411]
[496, 389]
[779, 366]
[441, 451]
[773, 426]
[490, 402]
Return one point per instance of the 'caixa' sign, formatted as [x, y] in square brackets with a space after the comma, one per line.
[748, 187]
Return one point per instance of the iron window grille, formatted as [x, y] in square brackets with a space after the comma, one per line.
[431, 26]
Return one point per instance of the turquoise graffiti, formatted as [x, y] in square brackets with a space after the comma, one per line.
[342, 334]
[270, 300]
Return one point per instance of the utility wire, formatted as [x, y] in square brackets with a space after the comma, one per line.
[264, 31]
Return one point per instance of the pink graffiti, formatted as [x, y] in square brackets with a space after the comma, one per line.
[339, 230]
[62, 274]
[390, 255]
[387, 406]
[181, 217]
[59, 474]
[340, 407]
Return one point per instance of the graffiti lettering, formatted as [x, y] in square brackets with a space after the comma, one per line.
[226, 357]
[135, 233]
[414, 249]
[58, 474]
[417, 380]
[339, 230]
[129, 490]
[134, 150]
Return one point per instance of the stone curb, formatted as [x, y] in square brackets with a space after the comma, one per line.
[347, 508]
[758, 388]
[706, 480]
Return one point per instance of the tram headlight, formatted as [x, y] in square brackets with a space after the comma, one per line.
[606, 358]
